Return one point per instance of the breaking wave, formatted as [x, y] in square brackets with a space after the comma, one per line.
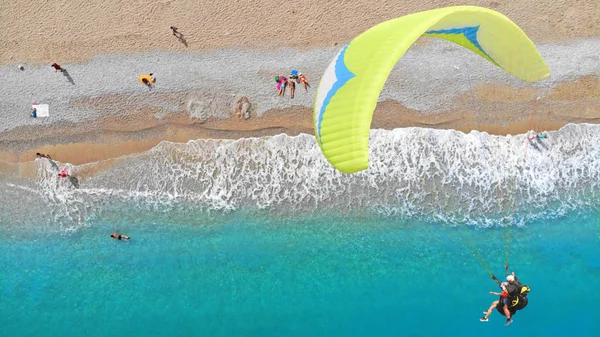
[439, 175]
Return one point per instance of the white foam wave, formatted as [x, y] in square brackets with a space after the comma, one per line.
[442, 175]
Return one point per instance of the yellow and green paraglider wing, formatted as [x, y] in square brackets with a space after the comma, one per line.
[349, 88]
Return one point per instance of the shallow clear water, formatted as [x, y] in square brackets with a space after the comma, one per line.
[186, 273]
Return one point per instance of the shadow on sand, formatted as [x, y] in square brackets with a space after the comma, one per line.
[542, 144]
[182, 39]
[69, 78]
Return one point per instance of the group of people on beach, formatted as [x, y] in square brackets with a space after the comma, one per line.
[64, 173]
[539, 136]
[290, 82]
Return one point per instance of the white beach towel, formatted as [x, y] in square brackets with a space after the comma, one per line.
[42, 110]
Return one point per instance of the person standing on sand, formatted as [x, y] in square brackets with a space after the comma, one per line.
[57, 67]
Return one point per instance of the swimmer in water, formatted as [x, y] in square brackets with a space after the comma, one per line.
[63, 174]
[119, 236]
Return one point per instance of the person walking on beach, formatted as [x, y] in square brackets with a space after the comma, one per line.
[179, 35]
[176, 33]
[57, 67]
[117, 236]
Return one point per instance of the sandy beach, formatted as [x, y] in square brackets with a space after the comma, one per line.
[74, 31]
[230, 52]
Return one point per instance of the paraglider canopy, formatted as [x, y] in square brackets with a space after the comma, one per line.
[349, 88]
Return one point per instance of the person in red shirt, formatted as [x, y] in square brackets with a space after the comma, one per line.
[57, 66]
[503, 295]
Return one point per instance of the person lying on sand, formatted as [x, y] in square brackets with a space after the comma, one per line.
[281, 84]
[292, 86]
[147, 80]
[302, 80]
[47, 156]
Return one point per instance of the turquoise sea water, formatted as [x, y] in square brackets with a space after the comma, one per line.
[191, 275]
[261, 237]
